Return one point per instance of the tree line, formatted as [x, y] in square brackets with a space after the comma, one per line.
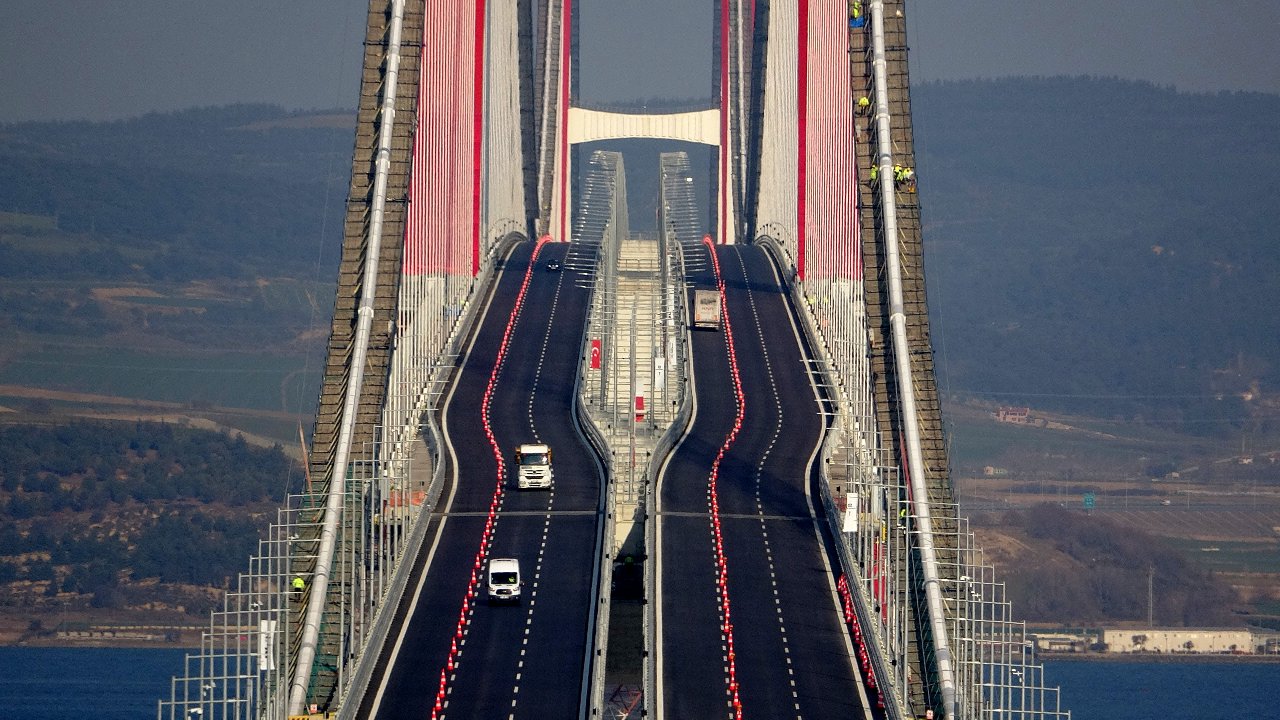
[95, 508]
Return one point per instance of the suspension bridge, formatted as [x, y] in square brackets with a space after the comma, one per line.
[749, 520]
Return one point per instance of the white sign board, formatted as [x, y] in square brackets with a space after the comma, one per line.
[266, 645]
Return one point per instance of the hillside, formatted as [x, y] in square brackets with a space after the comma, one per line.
[1063, 566]
[1105, 247]
[128, 523]
[173, 264]
[207, 192]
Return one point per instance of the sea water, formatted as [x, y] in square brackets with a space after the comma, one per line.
[1170, 690]
[76, 683]
[125, 684]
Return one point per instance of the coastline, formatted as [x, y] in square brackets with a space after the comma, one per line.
[1224, 658]
[185, 644]
[108, 636]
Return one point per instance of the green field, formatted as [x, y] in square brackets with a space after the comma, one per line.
[283, 431]
[1093, 448]
[173, 302]
[978, 441]
[1229, 556]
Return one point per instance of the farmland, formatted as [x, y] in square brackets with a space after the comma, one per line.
[1217, 506]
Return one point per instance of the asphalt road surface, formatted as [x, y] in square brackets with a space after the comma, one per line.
[792, 658]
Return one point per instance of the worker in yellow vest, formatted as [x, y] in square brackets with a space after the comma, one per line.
[905, 178]
[856, 18]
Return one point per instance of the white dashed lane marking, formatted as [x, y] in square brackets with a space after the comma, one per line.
[778, 423]
[531, 601]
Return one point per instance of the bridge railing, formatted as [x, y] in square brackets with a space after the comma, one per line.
[594, 668]
[247, 654]
[596, 227]
[599, 228]
[864, 501]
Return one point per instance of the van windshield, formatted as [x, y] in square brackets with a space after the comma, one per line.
[534, 459]
[503, 578]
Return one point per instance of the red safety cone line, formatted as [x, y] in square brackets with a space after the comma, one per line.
[860, 643]
[713, 482]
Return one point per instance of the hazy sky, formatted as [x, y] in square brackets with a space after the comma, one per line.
[97, 59]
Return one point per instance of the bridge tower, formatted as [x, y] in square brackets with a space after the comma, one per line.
[438, 180]
[724, 125]
[819, 151]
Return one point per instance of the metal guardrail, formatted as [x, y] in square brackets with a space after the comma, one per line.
[594, 666]
[598, 225]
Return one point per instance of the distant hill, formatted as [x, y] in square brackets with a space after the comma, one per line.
[184, 258]
[1063, 566]
[236, 191]
[1104, 247]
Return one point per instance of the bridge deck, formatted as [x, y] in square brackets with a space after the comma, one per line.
[528, 657]
[793, 657]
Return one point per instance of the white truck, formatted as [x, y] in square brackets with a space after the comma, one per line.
[706, 309]
[533, 466]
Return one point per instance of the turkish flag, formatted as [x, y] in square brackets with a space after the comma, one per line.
[595, 354]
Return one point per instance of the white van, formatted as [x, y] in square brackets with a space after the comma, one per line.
[504, 580]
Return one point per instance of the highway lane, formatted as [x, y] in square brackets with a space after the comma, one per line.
[691, 654]
[793, 657]
[525, 660]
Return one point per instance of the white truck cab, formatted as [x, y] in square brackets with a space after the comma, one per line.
[533, 466]
[504, 580]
